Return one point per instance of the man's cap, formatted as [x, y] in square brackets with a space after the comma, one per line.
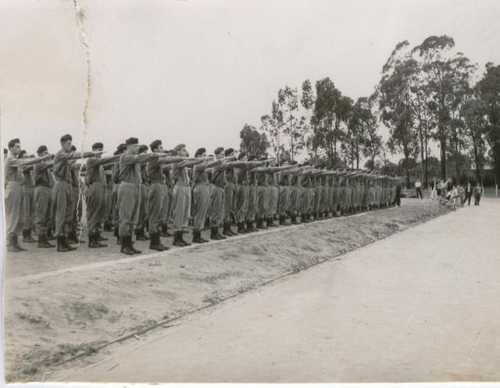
[155, 144]
[228, 151]
[97, 145]
[179, 147]
[242, 155]
[73, 148]
[41, 149]
[143, 148]
[132, 141]
[22, 153]
[200, 151]
[66, 138]
[219, 150]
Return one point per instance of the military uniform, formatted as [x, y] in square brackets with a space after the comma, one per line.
[129, 199]
[13, 199]
[28, 203]
[63, 196]
[43, 203]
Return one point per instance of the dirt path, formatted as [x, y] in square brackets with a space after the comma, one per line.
[421, 305]
[57, 310]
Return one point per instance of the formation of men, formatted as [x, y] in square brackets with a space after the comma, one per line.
[141, 192]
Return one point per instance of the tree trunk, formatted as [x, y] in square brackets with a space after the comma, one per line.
[357, 155]
[442, 143]
[426, 164]
[476, 160]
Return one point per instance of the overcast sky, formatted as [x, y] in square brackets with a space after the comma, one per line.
[196, 71]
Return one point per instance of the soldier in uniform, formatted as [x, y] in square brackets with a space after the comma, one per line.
[156, 197]
[96, 193]
[157, 194]
[273, 197]
[129, 192]
[241, 193]
[43, 198]
[167, 202]
[252, 201]
[13, 192]
[229, 193]
[115, 177]
[263, 197]
[75, 205]
[181, 200]
[63, 192]
[216, 209]
[284, 197]
[201, 194]
[28, 203]
[140, 234]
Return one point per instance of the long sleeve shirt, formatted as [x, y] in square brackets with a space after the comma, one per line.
[130, 169]
[62, 166]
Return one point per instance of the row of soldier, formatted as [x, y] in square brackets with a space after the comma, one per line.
[142, 188]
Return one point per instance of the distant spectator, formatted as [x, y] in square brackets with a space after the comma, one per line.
[453, 197]
[461, 195]
[397, 199]
[418, 188]
[478, 191]
[468, 192]
[434, 190]
[443, 192]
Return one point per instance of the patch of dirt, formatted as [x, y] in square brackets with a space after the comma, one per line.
[58, 316]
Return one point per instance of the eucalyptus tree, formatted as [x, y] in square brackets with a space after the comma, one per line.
[446, 78]
[396, 106]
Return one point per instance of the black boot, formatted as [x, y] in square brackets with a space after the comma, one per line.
[50, 236]
[13, 245]
[27, 236]
[94, 241]
[155, 243]
[164, 231]
[178, 240]
[71, 239]
[61, 245]
[183, 239]
[250, 227]
[131, 244]
[215, 235]
[241, 228]
[99, 237]
[226, 230]
[43, 242]
[139, 235]
[126, 245]
[66, 244]
[197, 237]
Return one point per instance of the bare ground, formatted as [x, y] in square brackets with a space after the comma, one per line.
[57, 309]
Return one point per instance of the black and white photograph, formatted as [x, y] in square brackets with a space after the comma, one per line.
[231, 191]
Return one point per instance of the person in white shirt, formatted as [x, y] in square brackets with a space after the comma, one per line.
[418, 188]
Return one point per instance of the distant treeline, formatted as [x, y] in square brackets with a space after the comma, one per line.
[429, 96]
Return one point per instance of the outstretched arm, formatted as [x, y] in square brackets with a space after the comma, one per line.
[190, 162]
[171, 159]
[32, 161]
[108, 160]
